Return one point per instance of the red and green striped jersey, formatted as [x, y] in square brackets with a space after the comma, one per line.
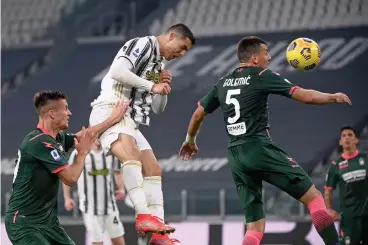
[242, 96]
[35, 181]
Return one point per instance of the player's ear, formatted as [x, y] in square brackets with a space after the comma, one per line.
[171, 36]
[51, 114]
[254, 58]
[356, 140]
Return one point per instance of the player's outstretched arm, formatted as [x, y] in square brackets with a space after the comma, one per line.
[68, 201]
[308, 96]
[331, 182]
[120, 192]
[116, 116]
[189, 147]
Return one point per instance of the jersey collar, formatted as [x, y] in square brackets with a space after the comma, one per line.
[157, 46]
[45, 131]
[348, 157]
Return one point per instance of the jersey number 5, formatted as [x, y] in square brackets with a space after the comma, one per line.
[234, 102]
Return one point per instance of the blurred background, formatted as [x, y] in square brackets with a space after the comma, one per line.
[70, 44]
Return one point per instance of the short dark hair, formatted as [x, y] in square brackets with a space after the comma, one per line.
[347, 127]
[183, 30]
[248, 46]
[45, 97]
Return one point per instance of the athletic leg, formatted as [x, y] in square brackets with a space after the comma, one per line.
[126, 150]
[120, 141]
[353, 230]
[152, 173]
[21, 235]
[152, 186]
[115, 228]
[280, 170]
[249, 188]
[94, 227]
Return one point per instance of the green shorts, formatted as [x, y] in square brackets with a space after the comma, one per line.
[33, 235]
[353, 230]
[259, 160]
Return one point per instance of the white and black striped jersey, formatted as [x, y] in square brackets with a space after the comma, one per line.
[144, 55]
[95, 185]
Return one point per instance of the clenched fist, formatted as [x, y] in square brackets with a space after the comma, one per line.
[165, 77]
[161, 88]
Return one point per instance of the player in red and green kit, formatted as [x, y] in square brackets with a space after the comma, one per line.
[242, 96]
[349, 172]
[31, 218]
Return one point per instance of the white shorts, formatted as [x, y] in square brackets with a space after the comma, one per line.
[97, 225]
[126, 126]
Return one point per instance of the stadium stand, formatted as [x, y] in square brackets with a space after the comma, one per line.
[307, 132]
[234, 17]
[24, 21]
[13, 63]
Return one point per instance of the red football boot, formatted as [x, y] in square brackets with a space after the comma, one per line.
[158, 239]
[148, 223]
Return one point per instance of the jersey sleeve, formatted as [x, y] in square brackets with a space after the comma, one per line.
[72, 157]
[45, 150]
[136, 51]
[273, 83]
[68, 141]
[331, 178]
[210, 102]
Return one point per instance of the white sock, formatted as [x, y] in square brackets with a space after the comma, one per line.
[133, 180]
[153, 188]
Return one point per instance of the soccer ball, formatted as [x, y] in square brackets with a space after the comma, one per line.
[303, 54]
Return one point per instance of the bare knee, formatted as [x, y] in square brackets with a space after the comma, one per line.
[118, 241]
[258, 225]
[151, 167]
[125, 148]
[310, 195]
[153, 170]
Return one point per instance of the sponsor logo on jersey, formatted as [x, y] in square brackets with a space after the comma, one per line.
[102, 172]
[361, 161]
[153, 76]
[55, 155]
[343, 164]
[236, 129]
[353, 176]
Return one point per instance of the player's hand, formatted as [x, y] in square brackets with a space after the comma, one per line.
[342, 98]
[119, 110]
[187, 151]
[333, 214]
[165, 77]
[120, 194]
[85, 142]
[161, 88]
[69, 204]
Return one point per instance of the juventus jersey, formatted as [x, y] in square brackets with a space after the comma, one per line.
[144, 55]
[95, 185]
